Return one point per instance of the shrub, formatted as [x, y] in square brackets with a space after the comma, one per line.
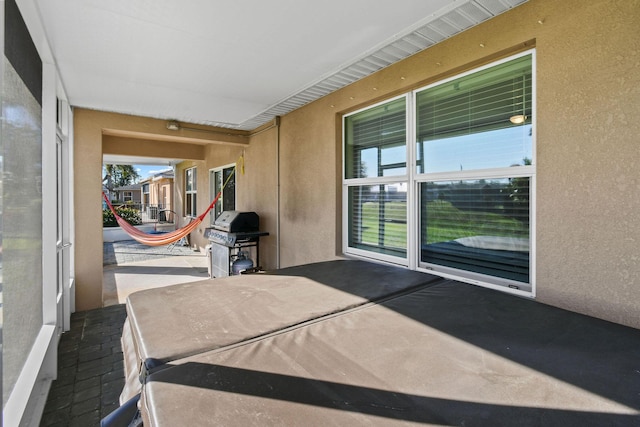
[132, 216]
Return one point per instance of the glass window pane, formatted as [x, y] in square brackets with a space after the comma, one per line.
[187, 210]
[229, 196]
[21, 279]
[480, 226]
[217, 186]
[378, 218]
[375, 141]
[227, 201]
[472, 122]
[190, 179]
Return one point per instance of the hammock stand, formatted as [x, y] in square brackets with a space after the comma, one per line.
[166, 238]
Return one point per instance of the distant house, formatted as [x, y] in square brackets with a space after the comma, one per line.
[157, 195]
[131, 194]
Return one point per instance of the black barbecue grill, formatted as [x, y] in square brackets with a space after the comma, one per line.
[237, 222]
[233, 231]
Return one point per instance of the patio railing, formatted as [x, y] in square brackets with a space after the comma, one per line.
[151, 213]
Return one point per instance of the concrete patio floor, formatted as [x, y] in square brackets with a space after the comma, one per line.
[130, 266]
[90, 366]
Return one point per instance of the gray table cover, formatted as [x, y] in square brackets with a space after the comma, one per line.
[177, 321]
[448, 354]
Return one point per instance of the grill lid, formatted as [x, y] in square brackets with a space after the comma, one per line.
[237, 222]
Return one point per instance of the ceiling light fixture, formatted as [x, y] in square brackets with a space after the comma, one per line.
[518, 119]
[173, 125]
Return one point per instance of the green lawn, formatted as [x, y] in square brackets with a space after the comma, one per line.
[394, 228]
[445, 222]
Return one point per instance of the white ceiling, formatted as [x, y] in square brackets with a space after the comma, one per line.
[237, 63]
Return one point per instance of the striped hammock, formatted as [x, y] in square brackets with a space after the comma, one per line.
[165, 238]
[159, 239]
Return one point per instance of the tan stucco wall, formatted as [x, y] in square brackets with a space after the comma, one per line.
[258, 191]
[589, 152]
[146, 147]
[256, 187]
[588, 184]
[588, 208]
[309, 184]
[87, 211]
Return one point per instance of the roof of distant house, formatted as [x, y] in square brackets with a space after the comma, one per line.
[131, 187]
[159, 175]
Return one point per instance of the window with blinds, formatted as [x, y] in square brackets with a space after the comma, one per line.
[479, 226]
[378, 218]
[472, 183]
[376, 141]
[468, 123]
[375, 152]
[471, 226]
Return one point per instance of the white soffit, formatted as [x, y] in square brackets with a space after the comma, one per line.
[237, 63]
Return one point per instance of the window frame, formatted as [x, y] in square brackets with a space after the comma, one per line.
[376, 180]
[213, 214]
[493, 282]
[190, 196]
[414, 180]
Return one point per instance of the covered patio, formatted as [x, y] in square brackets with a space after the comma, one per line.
[488, 145]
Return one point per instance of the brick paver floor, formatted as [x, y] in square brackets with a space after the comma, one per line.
[90, 370]
[90, 366]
